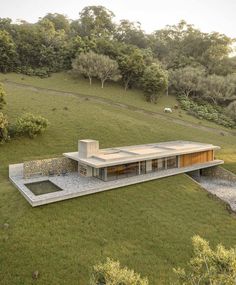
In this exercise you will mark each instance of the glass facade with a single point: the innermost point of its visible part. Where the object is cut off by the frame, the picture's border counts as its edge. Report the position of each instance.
(172, 162)
(142, 167)
(158, 164)
(132, 169)
(122, 171)
(100, 173)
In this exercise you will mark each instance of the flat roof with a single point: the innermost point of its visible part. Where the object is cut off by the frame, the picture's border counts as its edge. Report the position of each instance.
(127, 154)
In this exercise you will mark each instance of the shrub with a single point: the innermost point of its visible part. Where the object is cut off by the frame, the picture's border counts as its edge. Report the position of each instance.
(203, 110)
(2, 96)
(208, 266)
(3, 128)
(42, 72)
(31, 125)
(12, 131)
(110, 273)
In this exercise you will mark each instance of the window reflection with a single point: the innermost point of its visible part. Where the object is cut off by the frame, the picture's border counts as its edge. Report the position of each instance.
(122, 171)
(131, 169)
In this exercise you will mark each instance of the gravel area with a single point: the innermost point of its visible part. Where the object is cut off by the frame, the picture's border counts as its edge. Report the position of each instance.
(225, 190)
(73, 185)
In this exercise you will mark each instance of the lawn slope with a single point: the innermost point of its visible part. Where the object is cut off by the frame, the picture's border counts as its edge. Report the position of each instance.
(112, 92)
(146, 226)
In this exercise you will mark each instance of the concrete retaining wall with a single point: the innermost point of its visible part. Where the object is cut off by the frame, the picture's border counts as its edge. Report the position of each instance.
(219, 172)
(45, 166)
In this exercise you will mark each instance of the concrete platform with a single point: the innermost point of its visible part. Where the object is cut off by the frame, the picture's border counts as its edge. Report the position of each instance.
(74, 185)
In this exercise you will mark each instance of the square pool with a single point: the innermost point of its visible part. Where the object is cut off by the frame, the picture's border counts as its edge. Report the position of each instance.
(42, 187)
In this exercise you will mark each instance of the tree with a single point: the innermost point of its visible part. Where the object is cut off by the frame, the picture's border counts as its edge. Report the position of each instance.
(2, 97)
(186, 81)
(232, 110)
(53, 45)
(8, 55)
(86, 64)
(180, 45)
(132, 66)
(154, 81)
(59, 21)
(111, 273)
(208, 266)
(31, 125)
(217, 88)
(95, 21)
(131, 33)
(106, 68)
(96, 65)
(217, 49)
(6, 25)
(3, 128)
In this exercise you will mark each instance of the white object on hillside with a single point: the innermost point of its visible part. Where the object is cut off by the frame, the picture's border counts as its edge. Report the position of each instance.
(167, 110)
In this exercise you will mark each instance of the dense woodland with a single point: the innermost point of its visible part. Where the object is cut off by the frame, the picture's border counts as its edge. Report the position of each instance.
(178, 59)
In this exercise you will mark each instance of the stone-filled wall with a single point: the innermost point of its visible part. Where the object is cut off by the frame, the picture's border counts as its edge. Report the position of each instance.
(219, 172)
(45, 167)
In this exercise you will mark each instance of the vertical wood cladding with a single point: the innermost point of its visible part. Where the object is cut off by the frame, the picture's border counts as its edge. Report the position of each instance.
(195, 158)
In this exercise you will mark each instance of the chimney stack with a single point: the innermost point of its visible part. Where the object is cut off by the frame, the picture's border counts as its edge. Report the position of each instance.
(88, 148)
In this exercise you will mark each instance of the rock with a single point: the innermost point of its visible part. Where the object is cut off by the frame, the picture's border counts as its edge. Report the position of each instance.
(35, 274)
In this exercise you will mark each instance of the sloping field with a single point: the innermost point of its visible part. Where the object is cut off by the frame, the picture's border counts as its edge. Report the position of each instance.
(147, 226)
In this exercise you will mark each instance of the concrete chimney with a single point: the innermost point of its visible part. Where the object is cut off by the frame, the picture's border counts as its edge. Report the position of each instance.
(88, 148)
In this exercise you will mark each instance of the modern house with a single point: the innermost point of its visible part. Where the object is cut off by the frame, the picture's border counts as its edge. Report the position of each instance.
(91, 169)
(122, 162)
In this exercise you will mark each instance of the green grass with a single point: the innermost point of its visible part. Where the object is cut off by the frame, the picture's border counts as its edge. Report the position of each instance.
(147, 227)
(113, 91)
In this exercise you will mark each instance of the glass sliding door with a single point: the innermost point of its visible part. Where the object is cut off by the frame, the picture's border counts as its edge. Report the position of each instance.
(158, 164)
(142, 167)
(100, 173)
(172, 162)
(122, 171)
(154, 165)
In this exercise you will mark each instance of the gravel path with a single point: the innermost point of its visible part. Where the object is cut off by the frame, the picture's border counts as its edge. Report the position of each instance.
(225, 190)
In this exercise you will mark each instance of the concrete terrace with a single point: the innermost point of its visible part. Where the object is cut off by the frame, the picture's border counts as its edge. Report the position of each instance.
(74, 185)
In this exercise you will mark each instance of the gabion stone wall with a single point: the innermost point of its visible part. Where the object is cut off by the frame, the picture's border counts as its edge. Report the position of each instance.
(50, 166)
(219, 172)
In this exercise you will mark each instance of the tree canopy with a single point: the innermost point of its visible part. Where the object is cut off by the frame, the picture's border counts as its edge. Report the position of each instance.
(209, 266)
(154, 81)
(96, 65)
(54, 41)
(193, 63)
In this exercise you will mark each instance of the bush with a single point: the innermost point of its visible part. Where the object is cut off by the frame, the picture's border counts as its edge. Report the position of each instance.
(232, 110)
(206, 111)
(12, 131)
(208, 266)
(42, 72)
(3, 128)
(2, 96)
(110, 273)
(30, 125)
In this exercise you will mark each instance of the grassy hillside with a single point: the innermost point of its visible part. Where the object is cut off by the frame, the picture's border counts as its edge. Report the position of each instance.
(112, 91)
(147, 226)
